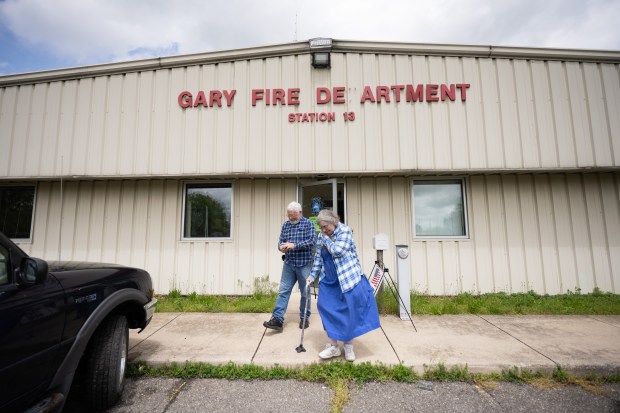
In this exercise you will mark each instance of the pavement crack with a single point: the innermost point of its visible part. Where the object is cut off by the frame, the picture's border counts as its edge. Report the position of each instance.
(173, 395)
(521, 341)
(604, 322)
(485, 394)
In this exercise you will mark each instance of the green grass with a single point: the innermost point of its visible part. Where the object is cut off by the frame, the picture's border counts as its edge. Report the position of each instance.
(337, 371)
(339, 376)
(324, 372)
(262, 301)
(256, 303)
(595, 303)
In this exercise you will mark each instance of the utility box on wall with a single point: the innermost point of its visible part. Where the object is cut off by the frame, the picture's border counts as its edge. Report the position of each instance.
(380, 242)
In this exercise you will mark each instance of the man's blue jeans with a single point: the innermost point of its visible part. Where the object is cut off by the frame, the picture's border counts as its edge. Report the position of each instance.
(290, 276)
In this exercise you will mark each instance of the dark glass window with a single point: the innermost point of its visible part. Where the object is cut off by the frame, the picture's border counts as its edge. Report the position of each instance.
(16, 211)
(207, 211)
(4, 265)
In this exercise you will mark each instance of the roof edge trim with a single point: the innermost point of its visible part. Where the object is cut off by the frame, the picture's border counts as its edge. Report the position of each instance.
(302, 47)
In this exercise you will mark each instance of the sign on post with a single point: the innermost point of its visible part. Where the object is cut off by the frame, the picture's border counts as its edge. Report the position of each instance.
(376, 278)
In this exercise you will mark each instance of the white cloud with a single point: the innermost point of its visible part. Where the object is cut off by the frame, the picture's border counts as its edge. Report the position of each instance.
(95, 31)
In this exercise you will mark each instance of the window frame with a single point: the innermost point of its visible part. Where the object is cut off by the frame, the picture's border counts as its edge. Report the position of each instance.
(463, 183)
(183, 210)
(34, 206)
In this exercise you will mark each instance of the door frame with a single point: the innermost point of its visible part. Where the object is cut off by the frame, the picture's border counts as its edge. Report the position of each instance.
(334, 182)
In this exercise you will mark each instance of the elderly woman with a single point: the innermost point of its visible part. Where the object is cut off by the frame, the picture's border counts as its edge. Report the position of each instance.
(346, 303)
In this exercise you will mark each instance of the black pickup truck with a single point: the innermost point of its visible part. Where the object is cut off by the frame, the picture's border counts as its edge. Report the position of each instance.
(64, 324)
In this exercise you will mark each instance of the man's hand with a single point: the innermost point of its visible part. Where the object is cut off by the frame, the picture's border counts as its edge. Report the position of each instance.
(287, 246)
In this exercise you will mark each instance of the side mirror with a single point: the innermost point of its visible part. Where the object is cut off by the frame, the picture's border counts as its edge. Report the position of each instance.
(32, 271)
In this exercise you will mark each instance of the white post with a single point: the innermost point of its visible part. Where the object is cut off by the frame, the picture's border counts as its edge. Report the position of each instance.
(402, 269)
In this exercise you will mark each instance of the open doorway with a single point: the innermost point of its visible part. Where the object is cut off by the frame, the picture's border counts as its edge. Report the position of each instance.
(323, 194)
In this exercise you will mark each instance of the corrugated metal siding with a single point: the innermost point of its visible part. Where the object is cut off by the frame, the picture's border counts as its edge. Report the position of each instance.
(550, 233)
(519, 114)
(137, 223)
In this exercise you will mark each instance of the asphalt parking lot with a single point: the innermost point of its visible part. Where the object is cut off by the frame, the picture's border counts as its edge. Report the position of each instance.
(172, 395)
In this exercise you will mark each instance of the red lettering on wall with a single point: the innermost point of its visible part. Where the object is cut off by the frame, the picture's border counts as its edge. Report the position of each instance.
(396, 89)
(415, 95)
(448, 91)
(375, 94)
(367, 95)
(339, 95)
(323, 95)
(276, 96)
(312, 117)
(463, 87)
(431, 92)
(257, 94)
(383, 92)
(229, 96)
(215, 98)
(201, 99)
(185, 99)
(293, 96)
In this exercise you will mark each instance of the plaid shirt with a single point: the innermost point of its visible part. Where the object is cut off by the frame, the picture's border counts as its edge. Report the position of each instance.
(303, 235)
(340, 245)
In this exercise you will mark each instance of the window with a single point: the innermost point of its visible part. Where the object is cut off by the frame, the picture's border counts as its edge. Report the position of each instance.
(439, 208)
(16, 211)
(207, 211)
(4, 265)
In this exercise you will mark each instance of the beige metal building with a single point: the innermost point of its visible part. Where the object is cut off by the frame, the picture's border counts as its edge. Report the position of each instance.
(499, 167)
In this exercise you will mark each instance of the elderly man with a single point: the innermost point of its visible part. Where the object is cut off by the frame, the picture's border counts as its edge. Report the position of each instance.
(297, 239)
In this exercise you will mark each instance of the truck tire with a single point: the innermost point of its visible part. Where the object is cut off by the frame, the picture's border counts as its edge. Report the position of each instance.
(104, 364)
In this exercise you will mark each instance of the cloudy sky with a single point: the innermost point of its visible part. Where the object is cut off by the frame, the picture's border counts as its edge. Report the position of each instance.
(49, 34)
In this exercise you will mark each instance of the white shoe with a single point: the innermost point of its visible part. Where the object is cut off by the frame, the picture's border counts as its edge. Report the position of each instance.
(330, 351)
(349, 355)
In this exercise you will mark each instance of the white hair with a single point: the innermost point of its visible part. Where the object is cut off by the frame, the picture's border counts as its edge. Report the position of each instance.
(328, 216)
(294, 206)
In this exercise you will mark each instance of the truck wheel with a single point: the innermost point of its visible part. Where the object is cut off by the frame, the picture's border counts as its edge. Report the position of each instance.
(104, 363)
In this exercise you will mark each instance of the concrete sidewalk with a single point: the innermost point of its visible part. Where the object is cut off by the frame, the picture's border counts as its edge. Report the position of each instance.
(579, 344)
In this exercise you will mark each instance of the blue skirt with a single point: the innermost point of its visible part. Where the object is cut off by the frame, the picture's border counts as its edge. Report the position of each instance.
(345, 315)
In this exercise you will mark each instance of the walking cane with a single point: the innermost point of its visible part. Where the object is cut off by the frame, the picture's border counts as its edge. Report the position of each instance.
(301, 348)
